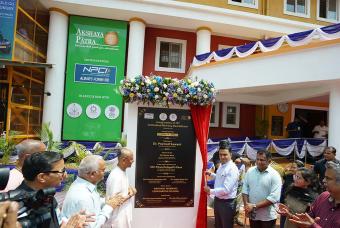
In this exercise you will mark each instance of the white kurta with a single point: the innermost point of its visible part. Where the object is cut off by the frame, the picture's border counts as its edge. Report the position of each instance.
(117, 182)
(321, 132)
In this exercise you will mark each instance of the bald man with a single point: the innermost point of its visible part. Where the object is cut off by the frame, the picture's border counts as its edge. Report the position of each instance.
(118, 182)
(25, 149)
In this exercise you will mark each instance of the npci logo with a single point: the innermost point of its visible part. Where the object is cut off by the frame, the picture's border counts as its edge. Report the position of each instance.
(96, 69)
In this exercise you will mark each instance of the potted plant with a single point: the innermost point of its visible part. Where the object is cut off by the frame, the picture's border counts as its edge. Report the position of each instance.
(261, 128)
(7, 147)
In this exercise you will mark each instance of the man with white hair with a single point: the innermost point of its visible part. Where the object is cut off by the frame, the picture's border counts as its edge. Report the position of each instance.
(118, 182)
(325, 211)
(83, 194)
(24, 149)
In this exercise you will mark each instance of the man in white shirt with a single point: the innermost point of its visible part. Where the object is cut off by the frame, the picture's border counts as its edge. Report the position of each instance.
(118, 182)
(225, 189)
(321, 130)
(83, 194)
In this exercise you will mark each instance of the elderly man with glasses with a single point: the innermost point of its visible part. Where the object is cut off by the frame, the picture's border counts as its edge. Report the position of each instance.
(325, 211)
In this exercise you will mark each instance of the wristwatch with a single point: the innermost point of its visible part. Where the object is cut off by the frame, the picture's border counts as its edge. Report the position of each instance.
(254, 206)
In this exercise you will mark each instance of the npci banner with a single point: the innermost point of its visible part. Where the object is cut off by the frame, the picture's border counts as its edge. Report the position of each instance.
(95, 66)
(95, 74)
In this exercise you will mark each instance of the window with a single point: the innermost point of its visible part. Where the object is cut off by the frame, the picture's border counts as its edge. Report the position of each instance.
(245, 3)
(297, 8)
(215, 112)
(170, 55)
(31, 32)
(231, 115)
(25, 107)
(328, 10)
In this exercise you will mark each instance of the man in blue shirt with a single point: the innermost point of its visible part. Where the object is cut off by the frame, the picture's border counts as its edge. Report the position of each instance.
(261, 190)
(225, 190)
(294, 128)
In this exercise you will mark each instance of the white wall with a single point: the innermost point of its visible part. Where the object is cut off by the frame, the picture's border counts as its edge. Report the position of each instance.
(276, 78)
(184, 217)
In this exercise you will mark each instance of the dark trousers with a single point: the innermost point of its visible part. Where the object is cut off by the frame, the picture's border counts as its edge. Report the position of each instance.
(282, 221)
(224, 210)
(262, 224)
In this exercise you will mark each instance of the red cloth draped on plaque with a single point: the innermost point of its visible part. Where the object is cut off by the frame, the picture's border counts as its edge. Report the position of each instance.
(201, 119)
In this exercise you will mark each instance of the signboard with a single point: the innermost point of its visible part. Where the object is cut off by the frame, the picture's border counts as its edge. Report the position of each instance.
(95, 66)
(165, 158)
(95, 74)
(8, 10)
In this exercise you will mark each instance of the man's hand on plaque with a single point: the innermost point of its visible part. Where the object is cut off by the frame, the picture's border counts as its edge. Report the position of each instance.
(115, 200)
(132, 192)
(207, 189)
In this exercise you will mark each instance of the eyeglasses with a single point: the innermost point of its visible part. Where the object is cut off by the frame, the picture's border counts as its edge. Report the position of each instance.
(63, 171)
(296, 177)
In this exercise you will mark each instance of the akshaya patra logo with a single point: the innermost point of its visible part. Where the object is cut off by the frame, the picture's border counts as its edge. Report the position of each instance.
(88, 37)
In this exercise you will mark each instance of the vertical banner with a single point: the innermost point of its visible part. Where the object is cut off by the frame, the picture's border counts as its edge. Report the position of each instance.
(95, 66)
(8, 9)
(165, 161)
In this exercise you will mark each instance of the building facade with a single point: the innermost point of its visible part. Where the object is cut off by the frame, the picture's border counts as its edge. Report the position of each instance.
(67, 58)
(163, 38)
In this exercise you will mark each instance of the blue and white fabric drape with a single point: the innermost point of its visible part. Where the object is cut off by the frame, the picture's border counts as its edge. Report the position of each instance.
(293, 40)
(284, 147)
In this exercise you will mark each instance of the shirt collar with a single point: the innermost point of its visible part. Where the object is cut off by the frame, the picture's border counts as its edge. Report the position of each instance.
(266, 170)
(226, 163)
(91, 187)
(332, 201)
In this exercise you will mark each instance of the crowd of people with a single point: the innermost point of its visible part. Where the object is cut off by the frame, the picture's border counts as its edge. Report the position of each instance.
(300, 128)
(37, 169)
(302, 196)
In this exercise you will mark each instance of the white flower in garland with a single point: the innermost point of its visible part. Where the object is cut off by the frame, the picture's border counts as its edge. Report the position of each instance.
(166, 91)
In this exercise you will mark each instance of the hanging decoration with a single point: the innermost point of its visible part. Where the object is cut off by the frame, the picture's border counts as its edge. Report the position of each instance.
(296, 39)
(283, 147)
(167, 91)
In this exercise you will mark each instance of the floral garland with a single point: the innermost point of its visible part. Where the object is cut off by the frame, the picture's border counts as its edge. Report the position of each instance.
(166, 91)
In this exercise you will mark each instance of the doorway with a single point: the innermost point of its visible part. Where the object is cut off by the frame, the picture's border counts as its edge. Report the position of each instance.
(310, 117)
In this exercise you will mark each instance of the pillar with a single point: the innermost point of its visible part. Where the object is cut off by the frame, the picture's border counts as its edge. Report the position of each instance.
(203, 35)
(136, 48)
(133, 69)
(334, 120)
(55, 77)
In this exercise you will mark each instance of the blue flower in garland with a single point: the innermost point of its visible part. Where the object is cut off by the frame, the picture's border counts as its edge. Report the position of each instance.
(166, 91)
